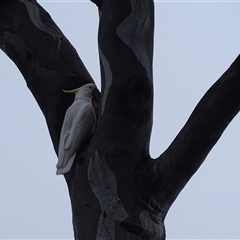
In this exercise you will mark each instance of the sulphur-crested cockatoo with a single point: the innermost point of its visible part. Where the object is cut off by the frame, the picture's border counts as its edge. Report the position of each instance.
(78, 123)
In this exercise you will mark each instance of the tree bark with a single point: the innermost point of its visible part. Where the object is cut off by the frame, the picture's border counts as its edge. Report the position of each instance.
(44, 56)
(173, 169)
(117, 191)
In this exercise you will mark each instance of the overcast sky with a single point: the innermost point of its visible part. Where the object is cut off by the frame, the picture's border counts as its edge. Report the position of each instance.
(195, 42)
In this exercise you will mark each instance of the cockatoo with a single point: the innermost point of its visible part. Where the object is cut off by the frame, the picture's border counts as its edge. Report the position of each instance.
(78, 123)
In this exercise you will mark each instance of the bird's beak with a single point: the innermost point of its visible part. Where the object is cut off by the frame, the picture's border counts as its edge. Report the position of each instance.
(96, 92)
(70, 91)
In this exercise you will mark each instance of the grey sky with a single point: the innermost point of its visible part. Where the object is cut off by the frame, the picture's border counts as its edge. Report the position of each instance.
(194, 44)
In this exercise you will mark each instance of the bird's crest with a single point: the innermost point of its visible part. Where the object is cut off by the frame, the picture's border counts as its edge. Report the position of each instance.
(70, 91)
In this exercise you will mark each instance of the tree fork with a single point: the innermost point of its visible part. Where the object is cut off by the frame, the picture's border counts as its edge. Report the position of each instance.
(117, 191)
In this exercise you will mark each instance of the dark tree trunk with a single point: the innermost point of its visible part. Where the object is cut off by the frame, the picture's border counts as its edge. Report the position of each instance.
(117, 191)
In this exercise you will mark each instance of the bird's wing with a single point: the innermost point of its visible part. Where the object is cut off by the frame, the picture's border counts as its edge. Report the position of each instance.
(82, 125)
(78, 123)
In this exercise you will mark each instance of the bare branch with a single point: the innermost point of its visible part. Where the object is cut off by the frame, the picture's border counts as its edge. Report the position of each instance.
(180, 161)
(44, 56)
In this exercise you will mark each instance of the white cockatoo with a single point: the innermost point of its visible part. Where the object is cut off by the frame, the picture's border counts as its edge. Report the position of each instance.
(78, 123)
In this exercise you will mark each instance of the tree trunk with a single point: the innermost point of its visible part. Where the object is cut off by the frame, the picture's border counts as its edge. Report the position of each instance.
(104, 182)
(117, 191)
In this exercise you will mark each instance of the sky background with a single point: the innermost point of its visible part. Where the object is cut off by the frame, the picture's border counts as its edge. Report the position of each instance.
(195, 43)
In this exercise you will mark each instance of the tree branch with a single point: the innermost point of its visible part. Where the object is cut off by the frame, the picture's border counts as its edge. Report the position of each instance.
(44, 56)
(126, 51)
(173, 169)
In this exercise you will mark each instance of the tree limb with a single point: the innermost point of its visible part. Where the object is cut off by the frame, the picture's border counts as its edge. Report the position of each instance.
(44, 56)
(173, 169)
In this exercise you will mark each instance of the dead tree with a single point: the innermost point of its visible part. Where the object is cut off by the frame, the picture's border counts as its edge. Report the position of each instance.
(117, 190)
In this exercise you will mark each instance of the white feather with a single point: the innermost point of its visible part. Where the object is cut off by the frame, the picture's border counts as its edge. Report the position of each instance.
(78, 123)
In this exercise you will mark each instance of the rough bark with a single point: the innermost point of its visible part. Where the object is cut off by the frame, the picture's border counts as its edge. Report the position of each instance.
(117, 191)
